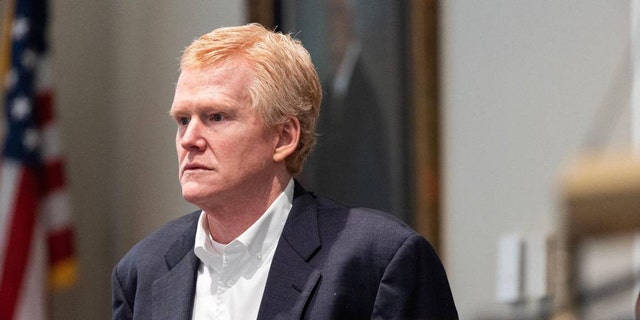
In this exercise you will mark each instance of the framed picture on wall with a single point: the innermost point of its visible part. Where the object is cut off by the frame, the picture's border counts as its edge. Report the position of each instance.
(378, 142)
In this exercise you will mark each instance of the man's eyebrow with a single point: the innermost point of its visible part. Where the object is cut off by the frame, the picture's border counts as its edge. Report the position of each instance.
(176, 113)
(206, 108)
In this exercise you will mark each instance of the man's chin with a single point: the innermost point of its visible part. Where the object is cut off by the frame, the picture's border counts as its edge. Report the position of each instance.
(193, 196)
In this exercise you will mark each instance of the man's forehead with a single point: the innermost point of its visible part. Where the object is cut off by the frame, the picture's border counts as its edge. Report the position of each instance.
(230, 62)
(222, 84)
(214, 75)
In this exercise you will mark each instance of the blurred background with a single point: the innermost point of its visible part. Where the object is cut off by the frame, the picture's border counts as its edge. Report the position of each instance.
(463, 118)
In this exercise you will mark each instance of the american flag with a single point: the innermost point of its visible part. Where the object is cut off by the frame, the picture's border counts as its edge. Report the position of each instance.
(36, 238)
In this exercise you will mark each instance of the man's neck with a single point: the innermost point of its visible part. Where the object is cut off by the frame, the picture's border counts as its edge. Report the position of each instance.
(228, 222)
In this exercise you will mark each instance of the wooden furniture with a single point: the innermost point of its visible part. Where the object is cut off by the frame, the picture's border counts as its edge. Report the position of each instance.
(601, 194)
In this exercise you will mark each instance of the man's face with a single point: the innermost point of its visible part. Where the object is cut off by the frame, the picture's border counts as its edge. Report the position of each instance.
(224, 150)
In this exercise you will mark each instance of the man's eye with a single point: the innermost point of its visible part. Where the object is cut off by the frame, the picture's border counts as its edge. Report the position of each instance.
(217, 117)
(183, 121)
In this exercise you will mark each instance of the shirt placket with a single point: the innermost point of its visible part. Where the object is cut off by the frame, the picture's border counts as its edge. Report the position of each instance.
(224, 283)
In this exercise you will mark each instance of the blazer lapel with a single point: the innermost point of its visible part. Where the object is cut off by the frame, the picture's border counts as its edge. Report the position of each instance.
(291, 278)
(173, 293)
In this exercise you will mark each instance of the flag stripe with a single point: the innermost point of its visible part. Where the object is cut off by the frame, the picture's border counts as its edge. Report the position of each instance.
(32, 300)
(51, 148)
(9, 171)
(19, 245)
(60, 245)
(54, 176)
(44, 101)
(55, 208)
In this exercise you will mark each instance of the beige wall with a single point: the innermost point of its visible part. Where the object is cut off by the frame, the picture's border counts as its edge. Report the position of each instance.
(115, 64)
(521, 85)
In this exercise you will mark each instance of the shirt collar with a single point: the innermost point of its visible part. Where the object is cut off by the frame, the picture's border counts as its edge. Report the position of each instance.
(255, 243)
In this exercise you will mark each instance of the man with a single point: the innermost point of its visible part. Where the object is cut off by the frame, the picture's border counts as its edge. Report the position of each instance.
(246, 105)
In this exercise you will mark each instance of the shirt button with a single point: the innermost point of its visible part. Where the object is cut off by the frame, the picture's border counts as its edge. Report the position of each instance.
(229, 283)
(259, 256)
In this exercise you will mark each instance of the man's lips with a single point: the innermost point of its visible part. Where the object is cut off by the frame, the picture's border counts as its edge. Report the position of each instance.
(194, 167)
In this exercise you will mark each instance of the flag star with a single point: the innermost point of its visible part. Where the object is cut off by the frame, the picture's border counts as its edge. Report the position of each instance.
(21, 108)
(20, 28)
(11, 79)
(31, 140)
(29, 59)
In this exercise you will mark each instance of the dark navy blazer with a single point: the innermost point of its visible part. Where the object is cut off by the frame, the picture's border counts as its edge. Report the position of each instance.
(332, 262)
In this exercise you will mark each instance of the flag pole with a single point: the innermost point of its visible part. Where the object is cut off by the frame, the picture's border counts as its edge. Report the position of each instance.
(7, 20)
(5, 53)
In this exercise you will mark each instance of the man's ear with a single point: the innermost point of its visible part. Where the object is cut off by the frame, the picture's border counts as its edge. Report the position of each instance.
(288, 138)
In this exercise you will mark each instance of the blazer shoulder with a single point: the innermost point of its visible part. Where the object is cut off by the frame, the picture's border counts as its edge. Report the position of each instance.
(361, 229)
(149, 260)
(155, 245)
(368, 220)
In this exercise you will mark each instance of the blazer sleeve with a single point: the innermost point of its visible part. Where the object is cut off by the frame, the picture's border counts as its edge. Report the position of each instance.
(121, 308)
(414, 285)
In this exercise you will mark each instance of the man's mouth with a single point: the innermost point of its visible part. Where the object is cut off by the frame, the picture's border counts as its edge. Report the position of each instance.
(195, 167)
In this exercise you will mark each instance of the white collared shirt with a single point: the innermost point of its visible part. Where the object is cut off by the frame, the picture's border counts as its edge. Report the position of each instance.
(231, 278)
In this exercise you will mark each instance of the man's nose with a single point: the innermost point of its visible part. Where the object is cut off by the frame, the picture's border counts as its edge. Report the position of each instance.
(192, 137)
